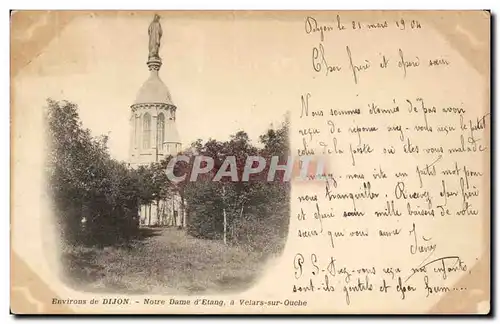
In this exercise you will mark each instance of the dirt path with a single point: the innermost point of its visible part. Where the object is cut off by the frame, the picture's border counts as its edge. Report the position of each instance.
(167, 260)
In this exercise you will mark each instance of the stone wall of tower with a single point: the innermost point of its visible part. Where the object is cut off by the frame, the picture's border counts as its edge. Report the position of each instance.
(170, 211)
(167, 212)
(149, 140)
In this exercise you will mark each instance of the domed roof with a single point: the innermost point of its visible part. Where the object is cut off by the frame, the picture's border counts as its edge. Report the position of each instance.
(154, 91)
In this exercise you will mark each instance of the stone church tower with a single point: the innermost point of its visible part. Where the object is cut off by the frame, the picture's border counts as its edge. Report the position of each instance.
(153, 132)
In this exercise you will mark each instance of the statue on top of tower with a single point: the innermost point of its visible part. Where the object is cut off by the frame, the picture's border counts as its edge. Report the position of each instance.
(155, 32)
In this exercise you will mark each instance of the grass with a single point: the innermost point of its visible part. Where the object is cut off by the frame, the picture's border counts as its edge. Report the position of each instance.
(163, 261)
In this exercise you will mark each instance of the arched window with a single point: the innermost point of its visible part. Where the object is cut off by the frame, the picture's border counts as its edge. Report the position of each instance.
(161, 130)
(137, 129)
(146, 131)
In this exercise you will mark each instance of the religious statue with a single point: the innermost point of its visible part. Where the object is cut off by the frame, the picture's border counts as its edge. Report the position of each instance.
(155, 33)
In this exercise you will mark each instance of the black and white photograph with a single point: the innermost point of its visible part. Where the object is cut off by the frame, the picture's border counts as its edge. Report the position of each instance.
(126, 227)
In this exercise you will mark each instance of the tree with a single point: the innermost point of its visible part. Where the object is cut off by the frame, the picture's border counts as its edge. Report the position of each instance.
(95, 197)
(257, 211)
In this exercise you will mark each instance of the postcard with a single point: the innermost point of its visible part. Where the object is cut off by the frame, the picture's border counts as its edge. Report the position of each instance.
(250, 162)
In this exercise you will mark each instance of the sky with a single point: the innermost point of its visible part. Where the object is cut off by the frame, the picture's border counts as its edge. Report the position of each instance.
(217, 85)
